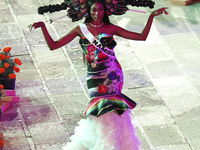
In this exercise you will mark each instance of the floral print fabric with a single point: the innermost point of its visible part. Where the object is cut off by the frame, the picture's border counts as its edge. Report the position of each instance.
(104, 78)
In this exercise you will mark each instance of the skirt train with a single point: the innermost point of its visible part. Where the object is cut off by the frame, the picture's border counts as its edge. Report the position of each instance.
(109, 131)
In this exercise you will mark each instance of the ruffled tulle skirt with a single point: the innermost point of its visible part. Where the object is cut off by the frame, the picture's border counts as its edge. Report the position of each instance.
(109, 131)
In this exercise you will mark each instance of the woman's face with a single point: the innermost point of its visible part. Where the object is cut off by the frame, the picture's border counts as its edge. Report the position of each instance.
(97, 12)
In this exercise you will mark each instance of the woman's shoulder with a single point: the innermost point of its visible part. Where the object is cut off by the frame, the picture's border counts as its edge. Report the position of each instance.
(111, 28)
(77, 29)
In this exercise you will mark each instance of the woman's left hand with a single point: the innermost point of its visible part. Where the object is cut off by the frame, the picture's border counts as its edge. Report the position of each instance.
(160, 11)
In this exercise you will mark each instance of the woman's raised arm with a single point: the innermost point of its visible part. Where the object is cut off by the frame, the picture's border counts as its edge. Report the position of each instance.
(140, 36)
(50, 42)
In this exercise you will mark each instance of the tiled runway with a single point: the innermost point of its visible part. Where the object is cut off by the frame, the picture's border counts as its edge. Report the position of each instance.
(161, 74)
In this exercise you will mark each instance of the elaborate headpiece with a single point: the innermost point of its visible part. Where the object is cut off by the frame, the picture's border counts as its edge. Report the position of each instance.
(77, 9)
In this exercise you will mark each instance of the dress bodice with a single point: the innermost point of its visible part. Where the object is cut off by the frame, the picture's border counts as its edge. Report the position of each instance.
(92, 54)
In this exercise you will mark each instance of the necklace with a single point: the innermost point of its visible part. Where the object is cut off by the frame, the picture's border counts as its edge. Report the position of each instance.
(96, 26)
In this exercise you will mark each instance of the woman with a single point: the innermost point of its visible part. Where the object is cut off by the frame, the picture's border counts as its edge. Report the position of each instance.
(108, 124)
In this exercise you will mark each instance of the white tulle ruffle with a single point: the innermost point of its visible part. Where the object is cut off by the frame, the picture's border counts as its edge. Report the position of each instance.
(107, 132)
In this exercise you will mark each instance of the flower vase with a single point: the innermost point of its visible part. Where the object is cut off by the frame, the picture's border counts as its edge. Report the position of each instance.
(8, 84)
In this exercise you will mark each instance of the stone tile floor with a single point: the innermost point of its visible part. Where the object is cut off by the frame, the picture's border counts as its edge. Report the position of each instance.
(161, 74)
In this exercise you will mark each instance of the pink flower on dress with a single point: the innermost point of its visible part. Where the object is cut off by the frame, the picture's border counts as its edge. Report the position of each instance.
(102, 89)
(91, 48)
(91, 51)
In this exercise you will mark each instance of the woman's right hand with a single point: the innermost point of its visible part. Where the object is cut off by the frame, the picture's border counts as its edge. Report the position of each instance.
(35, 25)
(160, 11)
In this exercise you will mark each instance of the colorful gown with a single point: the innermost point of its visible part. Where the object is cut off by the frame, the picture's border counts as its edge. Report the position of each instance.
(108, 123)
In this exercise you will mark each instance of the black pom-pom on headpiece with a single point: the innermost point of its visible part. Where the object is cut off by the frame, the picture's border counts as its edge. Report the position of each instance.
(52, 8)
(77, 9)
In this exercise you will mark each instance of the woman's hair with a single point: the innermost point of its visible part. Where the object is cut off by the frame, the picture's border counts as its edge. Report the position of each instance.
(89, 5)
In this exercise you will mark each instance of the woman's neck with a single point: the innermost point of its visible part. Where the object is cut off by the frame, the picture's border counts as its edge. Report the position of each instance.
(96, 24)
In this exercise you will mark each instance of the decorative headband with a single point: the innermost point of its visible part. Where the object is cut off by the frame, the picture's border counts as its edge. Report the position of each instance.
(77, 9)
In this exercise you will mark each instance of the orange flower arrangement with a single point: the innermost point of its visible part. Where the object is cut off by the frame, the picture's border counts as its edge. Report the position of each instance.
(1, 87)
(2, 57)
(8, 65)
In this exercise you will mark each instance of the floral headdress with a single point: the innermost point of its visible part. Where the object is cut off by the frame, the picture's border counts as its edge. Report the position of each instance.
(77, 9)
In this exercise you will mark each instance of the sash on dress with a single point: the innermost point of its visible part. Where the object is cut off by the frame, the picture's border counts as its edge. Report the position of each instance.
(95, 42)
